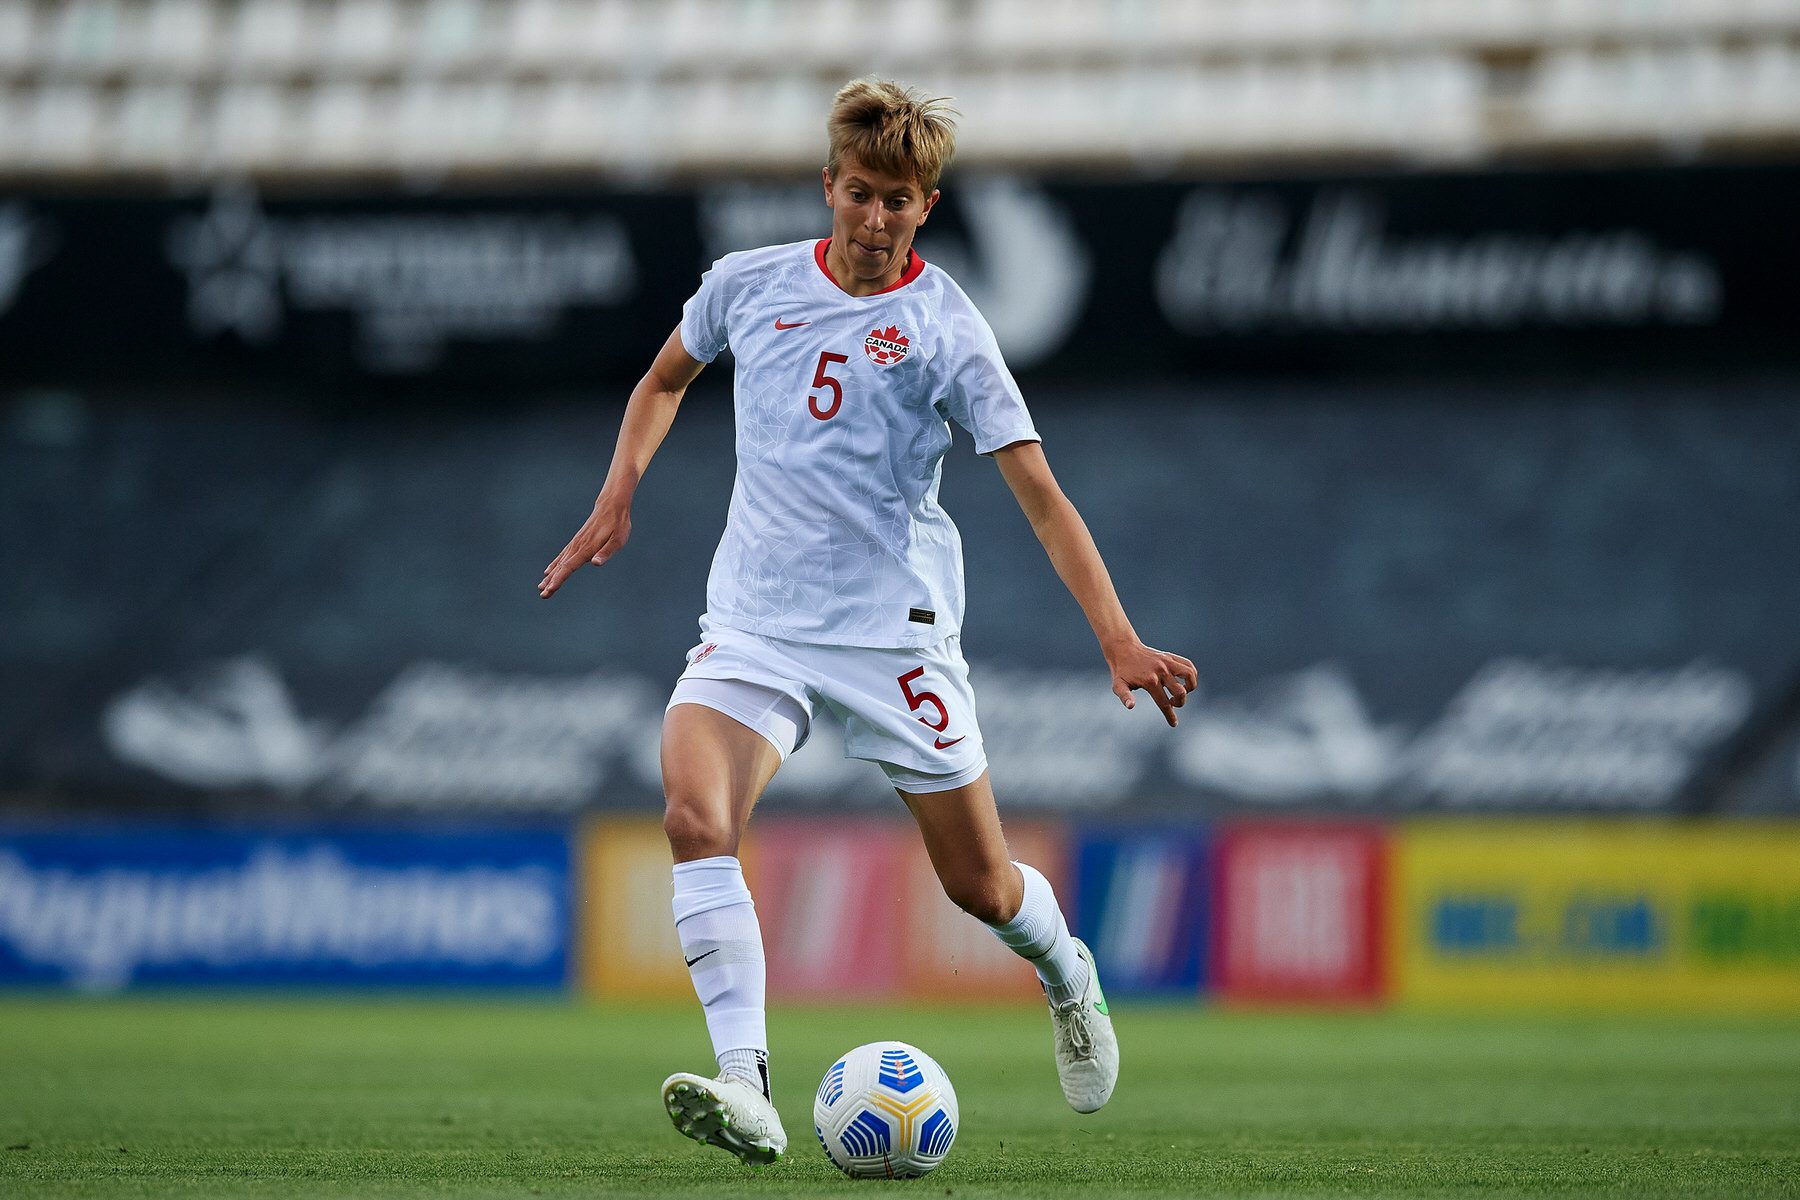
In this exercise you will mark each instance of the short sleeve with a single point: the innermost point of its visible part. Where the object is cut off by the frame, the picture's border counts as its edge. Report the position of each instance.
(980, 392)
(704, 331)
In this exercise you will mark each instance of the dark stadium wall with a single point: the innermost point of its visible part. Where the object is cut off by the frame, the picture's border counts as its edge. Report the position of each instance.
(1401, 599)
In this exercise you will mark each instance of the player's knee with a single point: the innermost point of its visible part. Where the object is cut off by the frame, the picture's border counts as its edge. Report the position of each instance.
(986, 897)
(696, 829)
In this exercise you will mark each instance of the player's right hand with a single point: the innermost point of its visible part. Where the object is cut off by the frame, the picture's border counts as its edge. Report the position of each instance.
(600, 537)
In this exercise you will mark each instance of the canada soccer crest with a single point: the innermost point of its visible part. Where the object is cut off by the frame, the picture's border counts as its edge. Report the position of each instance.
(885, 347)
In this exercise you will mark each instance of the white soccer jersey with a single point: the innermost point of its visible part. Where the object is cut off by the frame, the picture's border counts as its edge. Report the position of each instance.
(835, 534)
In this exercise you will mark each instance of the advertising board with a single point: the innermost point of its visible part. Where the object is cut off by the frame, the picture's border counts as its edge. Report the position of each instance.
(832, 898)
(853, 908)
(1589, 914)
(191, 906)
(626, 927)
(1141, 902)
(1299, 912)
(567, 286)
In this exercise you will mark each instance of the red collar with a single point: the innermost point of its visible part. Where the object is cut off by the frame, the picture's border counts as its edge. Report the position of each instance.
(914, 265)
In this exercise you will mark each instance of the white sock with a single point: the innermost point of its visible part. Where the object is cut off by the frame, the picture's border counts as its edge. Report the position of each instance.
(1039, 934)
(722, 943)
(752, 1066)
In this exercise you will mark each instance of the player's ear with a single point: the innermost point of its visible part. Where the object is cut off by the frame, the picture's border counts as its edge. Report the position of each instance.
(825, 174)
(929, 202)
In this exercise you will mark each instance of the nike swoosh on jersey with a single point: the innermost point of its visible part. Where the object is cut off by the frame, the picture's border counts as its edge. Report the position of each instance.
(941, 744)
(793, 325)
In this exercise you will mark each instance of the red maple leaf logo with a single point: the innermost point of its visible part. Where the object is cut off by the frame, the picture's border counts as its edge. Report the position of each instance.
(885, 347)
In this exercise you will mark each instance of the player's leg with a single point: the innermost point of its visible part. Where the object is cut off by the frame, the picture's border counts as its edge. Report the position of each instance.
(715, 767)
(912, 711)
(961, 828)
(714, 770)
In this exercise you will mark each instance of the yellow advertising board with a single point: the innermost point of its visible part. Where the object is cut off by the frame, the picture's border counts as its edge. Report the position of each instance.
(622, 911)
(1597, 914)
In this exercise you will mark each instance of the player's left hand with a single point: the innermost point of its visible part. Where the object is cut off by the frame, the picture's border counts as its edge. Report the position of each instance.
(1166, 678)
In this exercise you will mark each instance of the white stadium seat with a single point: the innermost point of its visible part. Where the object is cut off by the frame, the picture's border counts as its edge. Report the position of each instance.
(19, 31)
(537, 34)
(574, 124)
(61, 127)
(345, 126)
(1770, 80)
(618, 35)
(13, 105)
(177, 38)
(489, 116)
(87, 38)
(455, 35)
(364, 37)
(270, 37)
(155, 126)
(251, 128)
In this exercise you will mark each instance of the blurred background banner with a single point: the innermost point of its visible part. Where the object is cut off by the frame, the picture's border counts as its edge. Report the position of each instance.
(1519, 914)
(1301, 915)
(164, 905)
(1140, 898)
(626, 929)
(515, 291)
(1596, 916)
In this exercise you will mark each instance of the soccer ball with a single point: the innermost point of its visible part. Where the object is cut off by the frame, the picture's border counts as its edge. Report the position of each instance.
(885, 1111)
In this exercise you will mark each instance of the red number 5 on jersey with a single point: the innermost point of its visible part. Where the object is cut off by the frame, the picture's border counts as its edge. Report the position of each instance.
(822, 380)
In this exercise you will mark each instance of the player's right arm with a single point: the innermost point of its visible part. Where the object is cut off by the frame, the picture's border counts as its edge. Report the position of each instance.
(648, 416)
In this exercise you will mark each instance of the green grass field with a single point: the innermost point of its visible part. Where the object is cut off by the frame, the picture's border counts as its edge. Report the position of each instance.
(173, 1096)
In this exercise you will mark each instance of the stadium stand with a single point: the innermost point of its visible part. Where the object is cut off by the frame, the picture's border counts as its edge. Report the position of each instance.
(303, 87)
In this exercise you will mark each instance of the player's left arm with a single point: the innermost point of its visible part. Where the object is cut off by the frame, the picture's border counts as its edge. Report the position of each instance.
(1166, 678)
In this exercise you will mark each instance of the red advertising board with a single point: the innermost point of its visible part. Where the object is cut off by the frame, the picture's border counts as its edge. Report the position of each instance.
(833, 901)
(1299, 913)
(854, 909)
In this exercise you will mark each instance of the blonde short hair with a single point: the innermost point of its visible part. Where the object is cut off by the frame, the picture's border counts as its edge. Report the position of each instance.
(892, 129)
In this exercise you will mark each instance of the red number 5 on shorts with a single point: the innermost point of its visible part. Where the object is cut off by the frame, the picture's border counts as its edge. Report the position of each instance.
(917, 700)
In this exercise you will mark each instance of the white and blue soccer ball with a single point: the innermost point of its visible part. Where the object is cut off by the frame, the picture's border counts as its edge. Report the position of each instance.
(885, 1111)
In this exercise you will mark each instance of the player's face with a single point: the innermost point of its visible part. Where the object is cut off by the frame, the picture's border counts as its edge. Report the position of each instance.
(873, 219)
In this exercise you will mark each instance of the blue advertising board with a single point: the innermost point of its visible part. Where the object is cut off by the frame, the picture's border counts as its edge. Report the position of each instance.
(112, 909)
(1141, 902)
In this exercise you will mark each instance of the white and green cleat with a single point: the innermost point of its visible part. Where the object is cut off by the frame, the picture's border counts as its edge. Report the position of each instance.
(1087, 1050)
(728, 1113)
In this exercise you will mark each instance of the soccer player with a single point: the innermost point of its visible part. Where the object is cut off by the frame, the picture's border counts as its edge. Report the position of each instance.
(838, 586)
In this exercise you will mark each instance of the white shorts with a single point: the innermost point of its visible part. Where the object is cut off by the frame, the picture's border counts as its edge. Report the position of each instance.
(911, 711)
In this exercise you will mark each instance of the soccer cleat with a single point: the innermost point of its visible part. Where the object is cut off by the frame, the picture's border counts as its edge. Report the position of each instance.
(728, 1113)
(1087, 1050)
